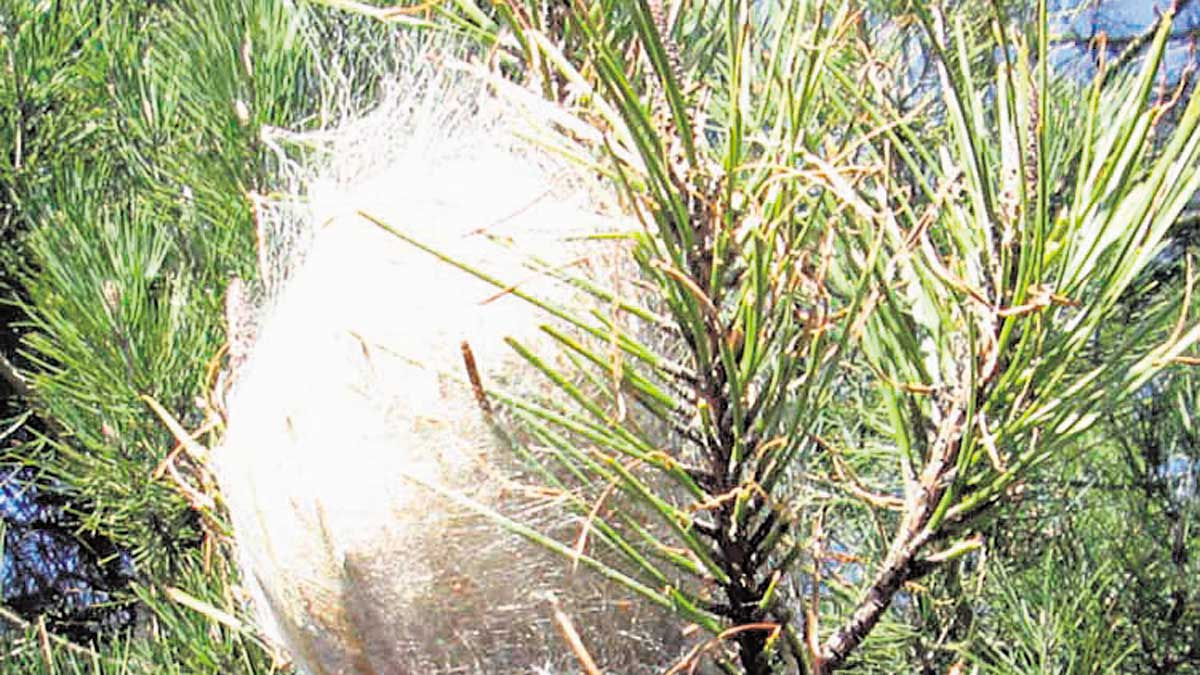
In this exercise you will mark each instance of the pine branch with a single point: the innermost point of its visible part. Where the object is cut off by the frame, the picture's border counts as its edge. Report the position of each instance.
(917, 528)
(898, 569)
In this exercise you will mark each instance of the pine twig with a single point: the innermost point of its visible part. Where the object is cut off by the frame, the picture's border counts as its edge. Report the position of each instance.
(14, 378)
(1142, 40)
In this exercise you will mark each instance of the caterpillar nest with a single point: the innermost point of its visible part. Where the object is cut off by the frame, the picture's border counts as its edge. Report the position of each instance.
(352, 412)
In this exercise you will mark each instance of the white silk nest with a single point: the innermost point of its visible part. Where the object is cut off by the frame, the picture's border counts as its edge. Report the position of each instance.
(352, 393)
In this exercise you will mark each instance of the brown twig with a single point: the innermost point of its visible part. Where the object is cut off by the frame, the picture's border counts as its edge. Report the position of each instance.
(812, 623)
(476, 382)
(1139, 42)
(16, 381)
(690, 662)
(567, 629)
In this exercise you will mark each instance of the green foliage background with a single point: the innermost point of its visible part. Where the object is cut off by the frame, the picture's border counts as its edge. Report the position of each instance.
(124, 204)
